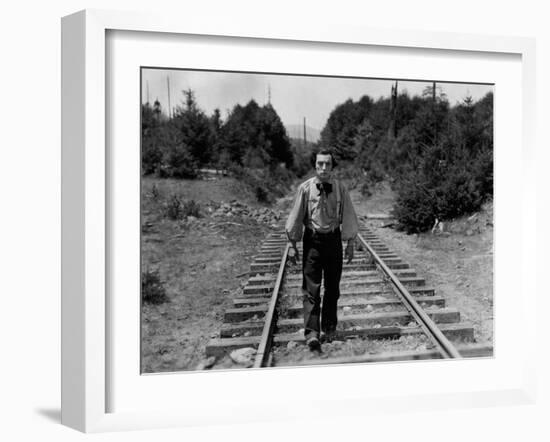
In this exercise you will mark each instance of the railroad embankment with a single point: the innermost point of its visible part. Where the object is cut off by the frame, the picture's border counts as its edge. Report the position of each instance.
(198, 238)
(456, 258)
(202, 252)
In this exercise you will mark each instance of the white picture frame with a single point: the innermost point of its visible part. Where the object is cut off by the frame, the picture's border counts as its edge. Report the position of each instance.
(86, 205)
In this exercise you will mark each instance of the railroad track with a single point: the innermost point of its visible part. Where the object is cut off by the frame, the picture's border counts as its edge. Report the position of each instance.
(386, 312)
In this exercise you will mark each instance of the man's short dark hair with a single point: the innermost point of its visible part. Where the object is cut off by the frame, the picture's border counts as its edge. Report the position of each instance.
(323, 151)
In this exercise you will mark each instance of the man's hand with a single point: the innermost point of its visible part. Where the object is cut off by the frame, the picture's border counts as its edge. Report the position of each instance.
(349, 252)
(293, 254)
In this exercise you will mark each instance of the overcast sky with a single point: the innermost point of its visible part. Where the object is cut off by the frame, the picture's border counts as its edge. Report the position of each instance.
(293, 97)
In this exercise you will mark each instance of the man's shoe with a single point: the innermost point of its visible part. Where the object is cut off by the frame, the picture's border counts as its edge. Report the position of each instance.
(314, 344)
(329, 336)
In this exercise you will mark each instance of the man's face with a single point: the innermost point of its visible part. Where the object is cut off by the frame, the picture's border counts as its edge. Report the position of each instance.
(323, 167)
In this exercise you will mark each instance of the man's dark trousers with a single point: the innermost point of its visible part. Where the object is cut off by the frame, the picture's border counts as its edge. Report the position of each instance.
(322, 256)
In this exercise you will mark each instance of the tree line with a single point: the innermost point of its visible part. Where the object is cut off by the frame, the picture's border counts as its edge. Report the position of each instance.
(437, 157)
(179, 145)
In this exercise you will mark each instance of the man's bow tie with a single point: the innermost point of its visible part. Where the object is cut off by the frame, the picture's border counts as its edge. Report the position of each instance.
(324, 187)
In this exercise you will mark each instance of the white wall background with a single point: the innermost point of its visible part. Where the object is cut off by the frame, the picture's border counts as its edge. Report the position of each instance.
(30, 217)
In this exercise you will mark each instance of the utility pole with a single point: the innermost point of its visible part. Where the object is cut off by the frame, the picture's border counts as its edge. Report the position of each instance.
(169, 106)
(147, 91)
(268, 93)
(305, 139)
(395, 110)
(434, 114)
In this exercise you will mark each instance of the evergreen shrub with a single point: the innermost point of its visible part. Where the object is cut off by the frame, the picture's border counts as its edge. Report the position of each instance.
(152, 288)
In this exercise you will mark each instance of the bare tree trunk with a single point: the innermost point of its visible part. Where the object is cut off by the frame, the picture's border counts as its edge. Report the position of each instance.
(169, 106)
(434, 120)
(392, 130)
(305, 140)
(395, 110)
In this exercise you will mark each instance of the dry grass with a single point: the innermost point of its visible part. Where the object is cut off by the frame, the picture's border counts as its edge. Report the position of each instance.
(198, 262)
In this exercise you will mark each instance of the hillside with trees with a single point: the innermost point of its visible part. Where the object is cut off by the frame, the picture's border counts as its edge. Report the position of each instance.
(251, 144)
(437, 157)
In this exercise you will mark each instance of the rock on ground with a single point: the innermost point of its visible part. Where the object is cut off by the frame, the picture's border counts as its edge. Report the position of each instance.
(243, 356)
(291, 345)
(207, 363)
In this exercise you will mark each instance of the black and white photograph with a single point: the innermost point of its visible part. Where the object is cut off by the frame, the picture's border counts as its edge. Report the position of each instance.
(233, 221)
(296, 220)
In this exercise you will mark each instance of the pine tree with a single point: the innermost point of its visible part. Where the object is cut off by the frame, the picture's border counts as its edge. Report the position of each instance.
(194, 128)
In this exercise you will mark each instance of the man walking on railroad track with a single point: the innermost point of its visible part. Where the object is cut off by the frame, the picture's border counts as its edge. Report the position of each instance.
(322, 217)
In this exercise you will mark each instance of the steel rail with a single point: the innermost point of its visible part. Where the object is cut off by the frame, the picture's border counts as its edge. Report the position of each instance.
(264, 349)
(444, 346)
